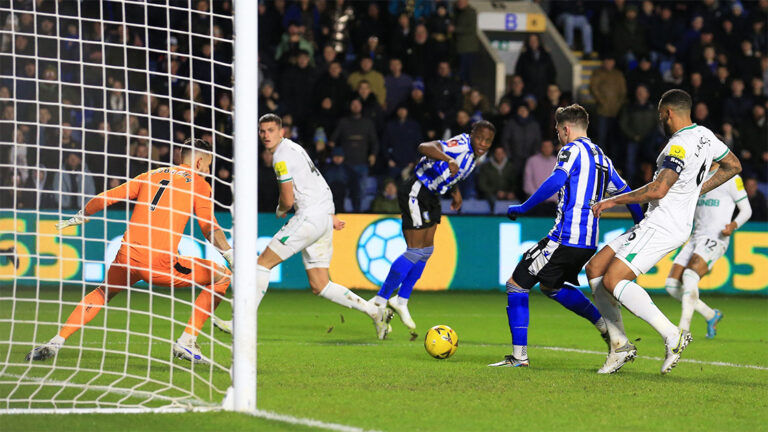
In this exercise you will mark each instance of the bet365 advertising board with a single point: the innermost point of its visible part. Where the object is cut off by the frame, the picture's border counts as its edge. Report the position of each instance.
(471, 252)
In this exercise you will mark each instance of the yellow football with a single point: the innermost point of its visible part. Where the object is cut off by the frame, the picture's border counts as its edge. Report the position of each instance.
(441, 342)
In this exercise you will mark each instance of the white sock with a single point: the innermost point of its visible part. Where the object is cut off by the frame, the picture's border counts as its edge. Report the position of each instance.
(186, 339)
(262, 283)
(520, 352)
(601, 326)
(402, 301)
(609, 309)
(379, 300)
(690, 297)
(704, 310)
(343, 296)
(634, 298)
(673, 288)
(58, 340)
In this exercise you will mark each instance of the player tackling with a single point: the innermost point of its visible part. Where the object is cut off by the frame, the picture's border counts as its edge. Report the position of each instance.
(712, 229)
(309, 231)
(672, 196)
(164, 198)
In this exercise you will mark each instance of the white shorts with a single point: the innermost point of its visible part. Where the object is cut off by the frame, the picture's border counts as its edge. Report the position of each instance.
(312, 234)
(642, 247)
(707, 247)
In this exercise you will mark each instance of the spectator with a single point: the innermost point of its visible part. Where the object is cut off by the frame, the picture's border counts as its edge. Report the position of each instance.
(74, 185)
(754, 143)
(675, 76)
(746, 63)
(342, 180)
(698, 90)
(416, 9)
(501, 115)
(357, 136)
(328, 56)
(647, 75)
(459, 126)
(545, 112)
(374, 78)
(370, 25)
(268, 187)
(638, 123)
(516, 95)
(139, 162)
(291, 43)
(476, 105)
(758, 37)
(400, 36)
(573, 17)
(537, 169)
(738, 105)
(521, 137)
(269, 99)
(420, 56)
(375, 51)
(701, 116)
(756, 200)
(386, 201)
(757, 91)
(222, 190)
(445, 93)
(729, 37)
(666, 33)
(535, 66)
(398, 85)
(297, 84)
(609, 88)
(332, 85)
(731, 137)
(423, 112)
(465, 34)
(496, 179)
(304, 14)
(629, 38)
(439, 26)
(371, 107)
(402, 137)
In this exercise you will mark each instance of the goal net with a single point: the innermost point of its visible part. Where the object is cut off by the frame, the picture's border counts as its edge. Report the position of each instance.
(92, 94)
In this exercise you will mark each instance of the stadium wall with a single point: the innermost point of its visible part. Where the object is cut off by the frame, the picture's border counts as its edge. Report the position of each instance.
(471, 253)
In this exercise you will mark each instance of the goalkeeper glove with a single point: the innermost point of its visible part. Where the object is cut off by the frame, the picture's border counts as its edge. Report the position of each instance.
(227, 254)
(77, 219)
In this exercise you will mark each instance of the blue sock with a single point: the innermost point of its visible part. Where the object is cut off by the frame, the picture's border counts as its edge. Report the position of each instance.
(413, 276)
(575, 301)
(518, 316)
(399, 270)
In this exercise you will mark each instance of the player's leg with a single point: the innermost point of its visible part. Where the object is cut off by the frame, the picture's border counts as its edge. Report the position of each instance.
(605, 302)
(118, 277)
(706, 252)
(674, 282)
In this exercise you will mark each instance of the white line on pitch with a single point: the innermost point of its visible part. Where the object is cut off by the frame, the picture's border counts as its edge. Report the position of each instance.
(306, 421)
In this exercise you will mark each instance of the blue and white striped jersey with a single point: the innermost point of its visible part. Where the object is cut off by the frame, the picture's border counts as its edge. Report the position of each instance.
(435, 175)
(591, 176)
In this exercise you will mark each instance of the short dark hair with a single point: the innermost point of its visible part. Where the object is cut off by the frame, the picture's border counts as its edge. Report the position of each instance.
(271, 118)
(677, 100)
(484, 124)
(574, 113)
(195, 144)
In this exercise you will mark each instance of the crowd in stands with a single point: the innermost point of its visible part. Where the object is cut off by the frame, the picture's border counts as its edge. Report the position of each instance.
(361, 83)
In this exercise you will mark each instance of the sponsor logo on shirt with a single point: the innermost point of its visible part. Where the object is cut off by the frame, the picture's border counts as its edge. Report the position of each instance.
(281, 168)
(677, 152)
(739, 183)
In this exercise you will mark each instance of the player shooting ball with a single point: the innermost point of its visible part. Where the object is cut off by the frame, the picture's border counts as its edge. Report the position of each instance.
(164, 199)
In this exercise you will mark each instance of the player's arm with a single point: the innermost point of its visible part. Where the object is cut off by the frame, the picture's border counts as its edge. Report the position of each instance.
(742, 203)
(203, 208)
(126, 191)
(286, 201)
(551, 185)
(654, 190)
(434, 150)
(619, 186)
(727, 167)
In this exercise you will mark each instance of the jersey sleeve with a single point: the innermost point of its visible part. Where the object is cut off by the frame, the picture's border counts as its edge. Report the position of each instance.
(736, 189)
(674, 156)
(616, 184)
(719, 150)
(566, 158)
(203, 206)
(126, 191)
(284, 169)
(457, 145)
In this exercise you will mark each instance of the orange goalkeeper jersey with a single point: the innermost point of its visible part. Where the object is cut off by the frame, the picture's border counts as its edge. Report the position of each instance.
(165, 199)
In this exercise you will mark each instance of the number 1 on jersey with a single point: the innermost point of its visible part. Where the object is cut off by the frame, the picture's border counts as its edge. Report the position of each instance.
(159, 194)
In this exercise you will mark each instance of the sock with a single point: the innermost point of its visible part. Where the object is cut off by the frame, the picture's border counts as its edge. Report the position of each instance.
(57, 340)
(690, 297)
(343, 296)
(575, 301)
(402, 301)
(415, 273)
(186, 338)
(704, 310)
(673, 288)
(518, 316)
(379, 300)
(262, 283)
(84, 312)
(399, 270)
(609, 309)
(205, 303)
(634, 298)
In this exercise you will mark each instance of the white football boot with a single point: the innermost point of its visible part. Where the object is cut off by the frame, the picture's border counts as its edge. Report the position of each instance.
(405, 316)
(673, 351)
(223, 325)
(190, 352)
(43, 352)
(511, 361)
(618, 358)
(381, 319)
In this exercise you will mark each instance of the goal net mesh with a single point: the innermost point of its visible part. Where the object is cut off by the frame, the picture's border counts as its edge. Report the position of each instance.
(92, 94)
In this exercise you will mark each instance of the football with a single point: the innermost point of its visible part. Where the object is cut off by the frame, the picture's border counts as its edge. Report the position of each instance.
(441, 342)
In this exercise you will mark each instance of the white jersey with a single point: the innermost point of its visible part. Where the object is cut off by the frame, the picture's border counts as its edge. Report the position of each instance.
(689, 152)
(715, 208)
(310, 191)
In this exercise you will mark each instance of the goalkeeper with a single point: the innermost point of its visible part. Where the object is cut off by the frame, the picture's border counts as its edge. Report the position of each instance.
(164, 201)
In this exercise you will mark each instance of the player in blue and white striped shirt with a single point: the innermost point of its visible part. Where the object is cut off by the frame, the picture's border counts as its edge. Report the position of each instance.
(582, 177)
(443, 165)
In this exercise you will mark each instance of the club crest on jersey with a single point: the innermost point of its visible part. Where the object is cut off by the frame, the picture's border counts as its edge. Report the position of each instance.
(425, 216)
(451, 143)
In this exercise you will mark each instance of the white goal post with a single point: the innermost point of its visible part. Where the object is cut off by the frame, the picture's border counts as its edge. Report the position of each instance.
(92, 94)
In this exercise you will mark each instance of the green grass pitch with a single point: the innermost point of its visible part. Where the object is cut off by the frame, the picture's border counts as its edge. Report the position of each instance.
(322, 362)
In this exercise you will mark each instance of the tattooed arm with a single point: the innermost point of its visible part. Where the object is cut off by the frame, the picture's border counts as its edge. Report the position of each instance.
(657, 189)
(729, 166)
